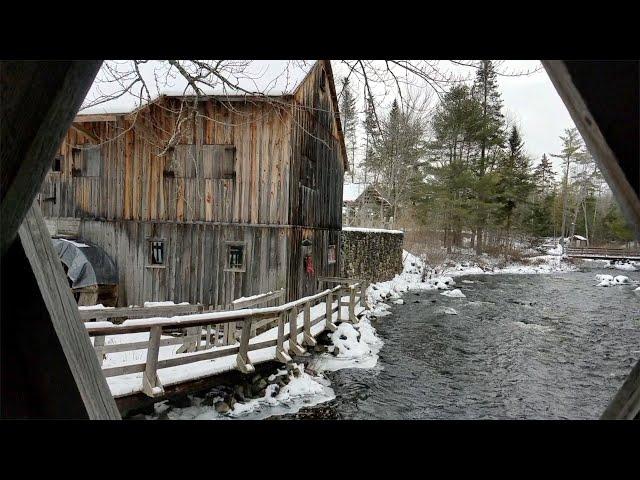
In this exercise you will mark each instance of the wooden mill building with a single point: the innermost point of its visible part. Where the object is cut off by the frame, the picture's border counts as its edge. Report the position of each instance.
(208, 198)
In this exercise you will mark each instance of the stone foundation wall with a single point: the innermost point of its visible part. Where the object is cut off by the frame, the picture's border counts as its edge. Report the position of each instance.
(371, 254)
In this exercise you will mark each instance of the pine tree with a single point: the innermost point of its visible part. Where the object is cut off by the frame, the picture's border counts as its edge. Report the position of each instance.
(490, 135)
(544, 176)
(515, 180)
(349, 119)
(371, 134)
(571, 147)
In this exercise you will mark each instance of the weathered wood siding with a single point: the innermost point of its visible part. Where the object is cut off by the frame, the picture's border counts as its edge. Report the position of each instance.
(316, 212)
(195, 260)
(133, 185)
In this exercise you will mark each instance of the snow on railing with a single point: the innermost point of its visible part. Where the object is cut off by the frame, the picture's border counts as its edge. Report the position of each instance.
(286, 314)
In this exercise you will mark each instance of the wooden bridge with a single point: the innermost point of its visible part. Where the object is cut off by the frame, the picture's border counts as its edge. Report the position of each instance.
(601, 253)
(146, 360)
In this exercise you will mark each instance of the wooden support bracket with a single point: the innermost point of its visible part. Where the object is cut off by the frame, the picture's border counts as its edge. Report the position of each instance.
(242, 360)
(294, 347)
(151, 385)
(281, 355)
(329, 325)
(307, 337)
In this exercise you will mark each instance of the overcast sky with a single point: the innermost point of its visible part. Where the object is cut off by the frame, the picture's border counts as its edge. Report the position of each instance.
(530, 101)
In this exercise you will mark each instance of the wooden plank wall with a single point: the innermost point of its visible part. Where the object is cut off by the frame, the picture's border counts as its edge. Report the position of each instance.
(316, 212)
(133, 184)
(195, 260)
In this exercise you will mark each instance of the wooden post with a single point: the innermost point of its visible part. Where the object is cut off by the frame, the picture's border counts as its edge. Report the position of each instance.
(281, 355)
(339, 304)
(230, 333)
(328, 325)
(307, 337)
(98, 343)
(352, 304)
(151, 385)
(294, 347)
(207, 343)
(242, 360)
(363, 293)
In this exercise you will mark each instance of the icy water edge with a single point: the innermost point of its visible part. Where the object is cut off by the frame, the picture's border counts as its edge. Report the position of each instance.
(521, 347)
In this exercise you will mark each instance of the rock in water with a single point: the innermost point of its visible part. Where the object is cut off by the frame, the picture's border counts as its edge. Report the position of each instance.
(456, 293)
(222, 407)
(450, 311)
(621, 279)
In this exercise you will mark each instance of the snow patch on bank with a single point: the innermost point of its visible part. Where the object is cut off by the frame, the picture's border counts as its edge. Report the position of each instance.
(303, 391)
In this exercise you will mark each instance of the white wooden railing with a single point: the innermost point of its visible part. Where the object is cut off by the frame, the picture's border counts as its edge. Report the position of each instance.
(285, 316)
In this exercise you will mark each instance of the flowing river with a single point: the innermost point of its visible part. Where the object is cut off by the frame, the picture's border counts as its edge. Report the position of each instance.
(521, 347)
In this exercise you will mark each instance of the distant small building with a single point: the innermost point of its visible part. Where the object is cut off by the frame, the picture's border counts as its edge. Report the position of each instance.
(578, 241)
(365, 206)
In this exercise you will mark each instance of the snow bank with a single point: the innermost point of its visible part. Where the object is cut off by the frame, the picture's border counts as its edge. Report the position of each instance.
(557, 250)
(303, 391)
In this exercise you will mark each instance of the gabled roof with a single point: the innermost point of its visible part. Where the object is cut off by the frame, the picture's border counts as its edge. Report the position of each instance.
(264, 78)
(254, 79)
(352, 192)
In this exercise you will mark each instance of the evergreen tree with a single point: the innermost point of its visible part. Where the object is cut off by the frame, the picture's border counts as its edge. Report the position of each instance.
(543, 176)
(371, 135)
(490, 135)
(349, 119)
(571, 147)
(515, 182)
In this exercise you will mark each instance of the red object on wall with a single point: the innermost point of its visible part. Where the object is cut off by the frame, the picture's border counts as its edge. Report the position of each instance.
(308, 265)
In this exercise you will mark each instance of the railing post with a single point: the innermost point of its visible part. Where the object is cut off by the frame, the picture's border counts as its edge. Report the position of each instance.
(242, 360)
(151, 384)
(363, 293)
(281, 355)
(294, 347)
(207, 342)
(352, 304)
(328, 325)
(340, 304)
(98, 343)
(307, 337)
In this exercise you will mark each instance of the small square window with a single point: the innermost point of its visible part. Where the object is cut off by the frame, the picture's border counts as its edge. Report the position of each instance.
(331, 254)
(56, 166)
(236, 257)
(156, 252)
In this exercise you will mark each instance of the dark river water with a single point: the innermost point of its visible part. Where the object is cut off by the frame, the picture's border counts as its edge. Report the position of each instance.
(521, 347)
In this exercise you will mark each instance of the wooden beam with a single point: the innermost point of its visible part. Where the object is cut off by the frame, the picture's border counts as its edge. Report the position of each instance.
(626, 404)
(49, 367)
(39, 101)
(95, 118)
(598, 145)
(86, 132)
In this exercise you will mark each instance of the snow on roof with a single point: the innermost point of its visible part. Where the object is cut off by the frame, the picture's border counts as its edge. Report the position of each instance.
(245, 77)
(579, 237)
(351, 191)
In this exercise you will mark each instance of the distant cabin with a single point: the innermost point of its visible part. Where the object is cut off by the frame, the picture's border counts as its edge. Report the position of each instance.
(578, 241)
(365, 206)
(208, 199)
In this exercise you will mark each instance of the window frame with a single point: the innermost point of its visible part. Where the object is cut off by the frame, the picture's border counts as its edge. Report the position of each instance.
(235, 243)
(335, 255)
(149, 256)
